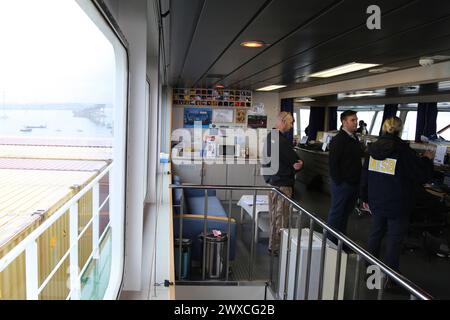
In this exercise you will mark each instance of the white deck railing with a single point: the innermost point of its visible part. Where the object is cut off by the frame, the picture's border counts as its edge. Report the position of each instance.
(30, 246)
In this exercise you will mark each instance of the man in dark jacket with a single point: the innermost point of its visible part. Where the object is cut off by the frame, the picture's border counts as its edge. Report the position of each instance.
(280, 172)
(391, 173)
(345, 161)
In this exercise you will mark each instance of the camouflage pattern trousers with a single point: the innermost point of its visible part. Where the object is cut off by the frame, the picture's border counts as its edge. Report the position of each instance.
(279, 215)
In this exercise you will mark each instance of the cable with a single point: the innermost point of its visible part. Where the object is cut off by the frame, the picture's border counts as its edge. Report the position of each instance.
(153, 283)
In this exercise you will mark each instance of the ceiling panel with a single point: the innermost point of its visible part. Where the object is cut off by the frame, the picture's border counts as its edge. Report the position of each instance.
(362, 44)
(393, 51)
(277, 21)
(219, 23)
(303, 37)
(326, 29)
(183, 20)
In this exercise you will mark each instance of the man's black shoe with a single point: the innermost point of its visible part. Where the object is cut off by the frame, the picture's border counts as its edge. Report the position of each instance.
(435, 246)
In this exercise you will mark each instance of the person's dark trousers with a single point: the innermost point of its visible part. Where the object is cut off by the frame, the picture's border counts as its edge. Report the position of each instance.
(395, 230)
(343, 202)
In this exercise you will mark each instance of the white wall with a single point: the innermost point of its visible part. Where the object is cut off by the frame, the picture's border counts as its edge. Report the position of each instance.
(138, 22)
(177, 117)
(131, 16)
(272, 103)
(152, 76)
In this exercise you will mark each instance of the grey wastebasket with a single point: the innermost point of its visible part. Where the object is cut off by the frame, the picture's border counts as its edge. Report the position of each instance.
(216, 256)
(185, 258)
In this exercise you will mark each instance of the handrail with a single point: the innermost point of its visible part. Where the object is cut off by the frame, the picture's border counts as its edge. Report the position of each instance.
(412, 288)
(29, 244)
(17, 250)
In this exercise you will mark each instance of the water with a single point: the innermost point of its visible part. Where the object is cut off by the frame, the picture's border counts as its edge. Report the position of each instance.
(96, 278)
(59, 123)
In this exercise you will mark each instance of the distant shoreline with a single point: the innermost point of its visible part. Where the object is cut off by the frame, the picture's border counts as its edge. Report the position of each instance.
(55, 106)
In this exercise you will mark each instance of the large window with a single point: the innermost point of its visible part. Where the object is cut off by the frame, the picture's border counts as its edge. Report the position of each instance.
(443, 119)
(372, 115)
(378, 122)
(57, 72)
(365, 115)
(304, 121)
(409, 125)
(63, 84)
(295, 124)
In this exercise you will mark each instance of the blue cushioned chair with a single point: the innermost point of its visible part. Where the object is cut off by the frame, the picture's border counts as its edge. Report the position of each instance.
(193, 201)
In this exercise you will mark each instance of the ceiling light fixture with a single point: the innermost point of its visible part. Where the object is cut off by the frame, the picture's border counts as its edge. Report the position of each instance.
(220, 86)
(270, 88)
(346, 68)
(253, 44)
(362, 94)
(305, 99)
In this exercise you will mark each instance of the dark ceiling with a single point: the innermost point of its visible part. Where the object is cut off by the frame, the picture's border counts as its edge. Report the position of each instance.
(303, 36)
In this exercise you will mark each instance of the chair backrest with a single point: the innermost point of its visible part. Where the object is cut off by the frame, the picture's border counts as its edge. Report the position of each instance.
(199, 193)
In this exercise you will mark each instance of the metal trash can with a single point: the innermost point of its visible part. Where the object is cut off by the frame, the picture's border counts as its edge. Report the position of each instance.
(216, 255)
(185, 258)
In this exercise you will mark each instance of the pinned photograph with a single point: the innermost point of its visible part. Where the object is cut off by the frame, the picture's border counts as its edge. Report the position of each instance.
(222, 116)
(241, 115)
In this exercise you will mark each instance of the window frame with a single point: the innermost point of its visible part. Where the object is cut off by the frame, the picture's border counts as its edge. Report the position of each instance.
(100, 15)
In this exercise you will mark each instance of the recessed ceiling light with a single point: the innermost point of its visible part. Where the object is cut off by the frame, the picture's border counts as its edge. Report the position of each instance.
(270, 88)
(253, 44)
(220, 86)
(346, 68)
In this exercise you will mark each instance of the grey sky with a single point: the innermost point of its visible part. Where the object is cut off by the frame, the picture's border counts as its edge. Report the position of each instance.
(51, 53)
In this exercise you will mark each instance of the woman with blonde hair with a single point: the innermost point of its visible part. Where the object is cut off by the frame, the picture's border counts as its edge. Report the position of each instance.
(392, 126)
(391, 171)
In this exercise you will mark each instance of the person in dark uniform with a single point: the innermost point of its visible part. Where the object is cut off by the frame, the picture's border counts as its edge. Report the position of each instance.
(280, 172)
(362, 127)
(345, 161)
(391, 172)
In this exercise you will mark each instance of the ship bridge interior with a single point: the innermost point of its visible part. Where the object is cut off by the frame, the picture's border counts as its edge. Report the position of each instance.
(136, 210)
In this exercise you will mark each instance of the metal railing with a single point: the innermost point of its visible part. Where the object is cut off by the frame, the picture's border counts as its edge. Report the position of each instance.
(30, 244)
(386, 272)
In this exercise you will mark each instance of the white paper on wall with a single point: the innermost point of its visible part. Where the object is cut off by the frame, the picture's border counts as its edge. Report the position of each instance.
(222, 116)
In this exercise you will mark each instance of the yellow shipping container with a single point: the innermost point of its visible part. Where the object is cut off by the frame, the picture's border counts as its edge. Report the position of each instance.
(25, 195)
